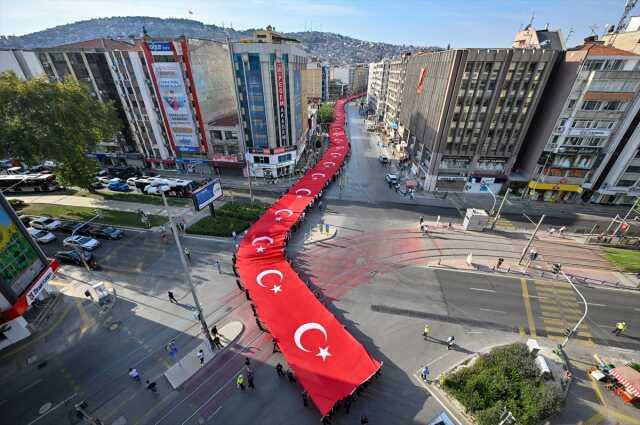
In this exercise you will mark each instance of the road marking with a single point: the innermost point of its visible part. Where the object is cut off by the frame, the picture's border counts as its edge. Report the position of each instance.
(527, 307)
(482, 290)
(52, 409)
(493, 311)
(426, 387)
(34, 383)
(538, 297)
(596, 389)
(593, 304)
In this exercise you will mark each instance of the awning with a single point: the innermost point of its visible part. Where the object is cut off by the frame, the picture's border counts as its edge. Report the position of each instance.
(555, 186)
(628, 377)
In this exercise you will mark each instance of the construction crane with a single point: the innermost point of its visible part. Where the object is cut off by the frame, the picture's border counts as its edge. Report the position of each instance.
(622, 23)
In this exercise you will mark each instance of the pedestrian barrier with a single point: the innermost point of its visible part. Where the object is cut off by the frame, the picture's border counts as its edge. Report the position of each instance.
(327, 360)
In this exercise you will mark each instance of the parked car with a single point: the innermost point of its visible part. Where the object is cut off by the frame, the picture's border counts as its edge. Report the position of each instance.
(44, 223)
(104, 232)
(383, 159)
(391, 178)
(25, 219)
(68, 226)
(119, 187)
(79, 241)
(41, 236)
(73, 257)
(97, 185)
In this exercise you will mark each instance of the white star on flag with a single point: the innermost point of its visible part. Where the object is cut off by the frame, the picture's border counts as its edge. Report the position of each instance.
(260, 249)
(324, 353)
(276, 289)
(278, 218)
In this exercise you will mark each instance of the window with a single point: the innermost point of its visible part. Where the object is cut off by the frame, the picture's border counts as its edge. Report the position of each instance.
(591, 105)
(571, 104)
(594, 65)
(216, 134)
(613, 65)
(626, 183)
(229, 135)
(576, 173)
(633, 169)
(614, 106)
(284, 158)
(581, 124)
(261, 159)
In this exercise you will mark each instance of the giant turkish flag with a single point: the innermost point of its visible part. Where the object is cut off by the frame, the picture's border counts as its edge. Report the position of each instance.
(329, 362)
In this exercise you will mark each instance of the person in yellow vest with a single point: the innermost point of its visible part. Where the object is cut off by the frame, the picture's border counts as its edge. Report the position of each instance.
(620, 327)
(425, 332)
(240, 382)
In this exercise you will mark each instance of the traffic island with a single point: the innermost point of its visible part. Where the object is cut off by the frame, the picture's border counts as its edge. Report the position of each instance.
(190, 364)
(509, 384)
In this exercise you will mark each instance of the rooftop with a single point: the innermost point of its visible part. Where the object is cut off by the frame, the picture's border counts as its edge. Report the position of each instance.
(98, 43)
(596, 48)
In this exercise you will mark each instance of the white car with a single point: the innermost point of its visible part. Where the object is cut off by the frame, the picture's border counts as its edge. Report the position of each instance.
(83, 242)
(391, 178)
(44, 223)
(41, 236)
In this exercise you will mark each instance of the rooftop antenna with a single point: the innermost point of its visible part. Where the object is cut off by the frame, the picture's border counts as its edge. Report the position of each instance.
(533, 15)
(622, 23)
(566, 41)
(593, 29)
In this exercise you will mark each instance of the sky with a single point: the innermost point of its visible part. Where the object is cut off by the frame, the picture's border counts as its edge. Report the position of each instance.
(460, 23)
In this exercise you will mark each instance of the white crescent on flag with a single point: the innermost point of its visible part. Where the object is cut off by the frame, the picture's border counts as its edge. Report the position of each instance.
(276, 287)
(262, 238)
(297, 337)
(303, 190)
(328, 164)
(335, 154)
(316, 176)
(284, 210)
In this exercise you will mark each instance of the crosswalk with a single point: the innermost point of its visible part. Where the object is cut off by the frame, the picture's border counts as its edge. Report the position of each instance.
(559, 309)
(504, 223)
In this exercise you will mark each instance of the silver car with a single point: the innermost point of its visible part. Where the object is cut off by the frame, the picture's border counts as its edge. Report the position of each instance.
(84, 242)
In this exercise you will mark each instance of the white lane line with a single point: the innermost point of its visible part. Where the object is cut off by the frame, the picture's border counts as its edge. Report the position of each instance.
(52, 409)
(636, 309)
(593, 304)
(482, 290)
(34, 383)
(490, 310)
(538, 297)
(426, 387)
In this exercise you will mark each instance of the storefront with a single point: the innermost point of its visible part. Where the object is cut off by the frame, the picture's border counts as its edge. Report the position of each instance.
(272, 163)
(484, 184)
(554, 192)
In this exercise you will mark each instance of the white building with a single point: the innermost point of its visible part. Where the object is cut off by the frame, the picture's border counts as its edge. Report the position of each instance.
(377, 88)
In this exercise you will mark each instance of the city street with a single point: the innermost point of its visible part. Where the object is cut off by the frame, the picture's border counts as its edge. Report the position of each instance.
(376, 275)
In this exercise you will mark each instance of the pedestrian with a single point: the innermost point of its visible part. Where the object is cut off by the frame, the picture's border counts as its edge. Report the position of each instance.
(290, 376)
(275, 346)
(200, 355)
(172, 350)
(187, 253)
(450, 341)
(499, 263)
(364, 420)
(235, 236)
(424, 373)
(247, 362)
(250, 380)
(214, 330)
(218, 267)
(305, 399)
(172, 297)
(279, 370)
(240, 382)
(449, 226)
(422, 229)
(216, 341)
(320, 205)
(620, 327)
(325, 420)
(421, 221)
(134, 374)
(425, 331)
(151, 386)
(87, 294)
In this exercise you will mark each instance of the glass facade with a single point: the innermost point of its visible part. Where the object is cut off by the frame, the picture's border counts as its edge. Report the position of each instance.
(297, 99)
(253, 93)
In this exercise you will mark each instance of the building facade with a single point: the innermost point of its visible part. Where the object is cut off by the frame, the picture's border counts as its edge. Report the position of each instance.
(377, 88)
(358, 78)
(576, 128)
(466, 111)
(24, 63)
(395, 86)
(530, 38)
(268, 71)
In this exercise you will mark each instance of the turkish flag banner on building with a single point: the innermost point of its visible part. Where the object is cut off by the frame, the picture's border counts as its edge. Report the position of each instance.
(327, 360)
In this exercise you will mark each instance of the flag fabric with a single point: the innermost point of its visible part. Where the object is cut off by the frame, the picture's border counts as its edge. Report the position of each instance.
(327, 360)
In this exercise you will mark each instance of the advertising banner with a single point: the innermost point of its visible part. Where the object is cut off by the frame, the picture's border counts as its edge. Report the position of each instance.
(282, 104)
(177, 106)
(207, 194)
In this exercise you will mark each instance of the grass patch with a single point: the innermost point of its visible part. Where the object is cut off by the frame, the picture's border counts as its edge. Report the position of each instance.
(508, 378)
(111, 217)
(231, 217)
(626, 259)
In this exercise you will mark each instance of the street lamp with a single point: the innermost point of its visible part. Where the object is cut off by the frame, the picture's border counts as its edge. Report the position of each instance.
(584, 315)
(185, 267)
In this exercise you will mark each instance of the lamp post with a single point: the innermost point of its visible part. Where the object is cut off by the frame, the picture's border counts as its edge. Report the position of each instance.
(533, 235)
(493, 225)
(584, 315)
(185, 267)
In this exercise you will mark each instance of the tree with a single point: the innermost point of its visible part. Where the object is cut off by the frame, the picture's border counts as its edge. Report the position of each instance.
(41, 120)
(325, 113)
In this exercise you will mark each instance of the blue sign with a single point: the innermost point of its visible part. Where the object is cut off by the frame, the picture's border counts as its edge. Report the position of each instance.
(159, 46)
(484, 188)
(191, 161)
(207, 194)
(394, 125)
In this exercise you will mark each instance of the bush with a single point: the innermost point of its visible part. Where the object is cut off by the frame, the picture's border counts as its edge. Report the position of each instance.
(508, 378)
(247, 212)
(218, 226)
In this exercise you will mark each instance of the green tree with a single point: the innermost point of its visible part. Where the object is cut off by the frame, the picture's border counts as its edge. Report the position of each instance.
(325, 113)
(41, 120)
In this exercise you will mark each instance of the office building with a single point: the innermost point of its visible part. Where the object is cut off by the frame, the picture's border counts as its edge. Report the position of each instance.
(358, 78)
(24, 63)
(579, 124)
(224, 135)
(465, 113)
(377, 89)
(341, 73)
(268, 70)
(395, 86)
(337, 89)
(325, 82)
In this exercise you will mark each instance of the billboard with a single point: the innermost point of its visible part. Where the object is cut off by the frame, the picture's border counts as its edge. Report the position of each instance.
(282, 106)
(207, 194)
(177, 106)
(20, 259)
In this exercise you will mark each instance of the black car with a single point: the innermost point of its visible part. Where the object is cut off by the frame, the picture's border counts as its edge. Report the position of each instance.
(104, 232)
(25, 219)
(69, 226)
(72, 257)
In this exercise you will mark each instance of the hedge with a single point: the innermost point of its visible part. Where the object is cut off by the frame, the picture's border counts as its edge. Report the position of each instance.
(218, 226)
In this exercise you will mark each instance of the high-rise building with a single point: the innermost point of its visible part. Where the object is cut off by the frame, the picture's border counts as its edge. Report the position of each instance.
(466, 112)
(358, 78)
(325, 82)
(579, 124)
(377, 88)
(337, 89)
(24, 63)
(268, 70)
(395, 86)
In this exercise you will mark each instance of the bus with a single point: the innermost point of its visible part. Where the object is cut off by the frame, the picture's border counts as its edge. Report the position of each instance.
(18, 183)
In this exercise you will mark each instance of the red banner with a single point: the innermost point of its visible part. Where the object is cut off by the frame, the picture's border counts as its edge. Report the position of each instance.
(328, 361)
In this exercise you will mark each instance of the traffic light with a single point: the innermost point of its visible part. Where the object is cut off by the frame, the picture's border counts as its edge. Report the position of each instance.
(556, 268)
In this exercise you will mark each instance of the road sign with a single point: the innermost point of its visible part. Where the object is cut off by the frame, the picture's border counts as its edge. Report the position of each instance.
(207, 194)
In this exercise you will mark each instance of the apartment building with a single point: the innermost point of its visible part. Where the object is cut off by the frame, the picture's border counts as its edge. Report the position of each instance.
(24, 63)
(268, 70)
(377, 88)
(466, 111)
(337, 89)
(358, 78)
(578, 127)
(393, 100)
(530, 38)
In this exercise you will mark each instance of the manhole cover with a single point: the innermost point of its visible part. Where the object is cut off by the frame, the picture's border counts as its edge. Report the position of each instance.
(114, 326)
(45, 408)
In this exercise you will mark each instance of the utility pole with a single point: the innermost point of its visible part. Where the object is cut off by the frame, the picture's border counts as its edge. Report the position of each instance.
(187, 272)
(586, 309)
(533, 235)
(497, 217)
